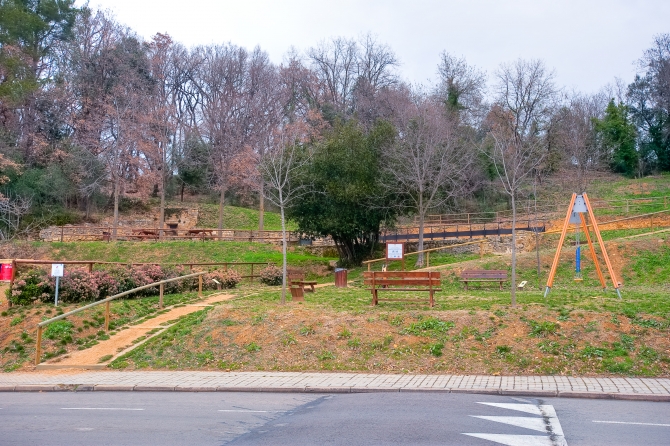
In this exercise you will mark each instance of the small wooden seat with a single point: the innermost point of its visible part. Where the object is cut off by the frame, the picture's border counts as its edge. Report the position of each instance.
(298, 278)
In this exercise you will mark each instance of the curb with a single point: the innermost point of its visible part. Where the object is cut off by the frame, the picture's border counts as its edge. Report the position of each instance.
(325, 389)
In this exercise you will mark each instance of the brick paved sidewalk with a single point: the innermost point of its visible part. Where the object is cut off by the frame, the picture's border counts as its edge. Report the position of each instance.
(649, 389)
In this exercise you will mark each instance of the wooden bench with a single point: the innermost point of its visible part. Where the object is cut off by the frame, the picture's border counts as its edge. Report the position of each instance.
(297, 278)
(428, 281)
(483, 275)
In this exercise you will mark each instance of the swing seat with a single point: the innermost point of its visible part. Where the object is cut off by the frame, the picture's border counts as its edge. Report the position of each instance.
(578, 279)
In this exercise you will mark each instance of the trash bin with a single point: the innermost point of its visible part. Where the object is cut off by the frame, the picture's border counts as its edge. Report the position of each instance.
(106, 236)
(340, 277)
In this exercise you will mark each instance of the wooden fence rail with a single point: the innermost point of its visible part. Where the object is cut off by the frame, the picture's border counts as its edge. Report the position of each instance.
(160, 284)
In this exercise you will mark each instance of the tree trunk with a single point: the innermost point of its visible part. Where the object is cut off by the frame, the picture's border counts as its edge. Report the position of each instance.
(261, 207)
(419, 259)
(513, 279)
(161, 219)
(283, 244)
(537, 238)
(115, 225)
(220, 225)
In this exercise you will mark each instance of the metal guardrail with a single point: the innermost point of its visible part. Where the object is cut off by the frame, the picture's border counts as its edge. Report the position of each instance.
(160, 284)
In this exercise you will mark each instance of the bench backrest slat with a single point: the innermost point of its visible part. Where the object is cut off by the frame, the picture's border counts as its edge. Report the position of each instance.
(401, 282)
(378, 279)
(484, 274)
(400, 274)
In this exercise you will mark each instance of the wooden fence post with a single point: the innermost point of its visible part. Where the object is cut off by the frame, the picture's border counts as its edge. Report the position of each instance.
(38, 347)
(251, 279)
(161, 289)
(428, 259)
(107, 305)
(200, 285)
(61, 234)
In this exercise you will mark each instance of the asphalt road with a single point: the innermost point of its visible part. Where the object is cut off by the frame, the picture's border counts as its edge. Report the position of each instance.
(147, 418)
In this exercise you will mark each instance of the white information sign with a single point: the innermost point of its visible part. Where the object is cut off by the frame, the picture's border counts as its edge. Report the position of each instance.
(56, 270)
(394, 251)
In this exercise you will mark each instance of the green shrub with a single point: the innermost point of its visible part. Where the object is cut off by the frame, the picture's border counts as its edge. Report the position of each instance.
(542, 329)
(436, 349)
(31, 286)
(271, 275)
(428, 326)
(59, 330)
(252, 347)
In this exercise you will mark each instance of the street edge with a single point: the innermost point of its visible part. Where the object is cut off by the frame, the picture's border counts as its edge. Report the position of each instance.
(334, 389)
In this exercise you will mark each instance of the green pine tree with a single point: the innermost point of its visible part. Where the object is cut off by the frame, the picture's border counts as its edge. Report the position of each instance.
(617, 134)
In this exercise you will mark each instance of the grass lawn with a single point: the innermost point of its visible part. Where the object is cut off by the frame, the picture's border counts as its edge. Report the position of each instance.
(579, 329)
(238, 218)
(77, 332)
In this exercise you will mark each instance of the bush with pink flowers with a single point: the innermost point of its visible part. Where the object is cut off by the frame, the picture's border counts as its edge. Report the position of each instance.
(79, 285)
(226, 279)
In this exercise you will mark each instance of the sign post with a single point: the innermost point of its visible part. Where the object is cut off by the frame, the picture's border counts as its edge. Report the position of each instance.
(57, 272)
(396, 251)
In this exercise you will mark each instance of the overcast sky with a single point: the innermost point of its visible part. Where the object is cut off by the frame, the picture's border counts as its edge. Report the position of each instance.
(587, 42)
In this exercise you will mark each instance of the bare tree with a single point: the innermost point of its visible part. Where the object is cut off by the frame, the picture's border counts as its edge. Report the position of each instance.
(517, 127)
(461, 87)
(429, 162)
(352, 73)
(335, 64)
(281, 167)
(12, 210)
(577, 137)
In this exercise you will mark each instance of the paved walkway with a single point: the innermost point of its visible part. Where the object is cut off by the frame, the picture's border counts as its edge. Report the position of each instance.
(125, 340)
(649, 389)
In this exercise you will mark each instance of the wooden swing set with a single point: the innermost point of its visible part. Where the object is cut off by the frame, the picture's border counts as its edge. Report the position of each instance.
(580, 205)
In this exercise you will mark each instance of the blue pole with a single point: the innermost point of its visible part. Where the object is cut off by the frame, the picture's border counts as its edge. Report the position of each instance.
(578, 262)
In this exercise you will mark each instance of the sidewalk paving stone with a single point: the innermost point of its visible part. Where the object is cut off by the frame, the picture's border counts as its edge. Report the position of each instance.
(193, 381)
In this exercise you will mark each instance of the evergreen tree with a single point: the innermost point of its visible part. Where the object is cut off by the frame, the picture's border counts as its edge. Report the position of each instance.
(617, 135)
(347, 202)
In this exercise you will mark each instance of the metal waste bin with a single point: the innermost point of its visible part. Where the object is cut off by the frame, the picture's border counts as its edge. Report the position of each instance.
(340, 277)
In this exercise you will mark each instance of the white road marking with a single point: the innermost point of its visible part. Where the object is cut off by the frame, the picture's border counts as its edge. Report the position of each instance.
(547, 422)
(250, 411)
(516, 440)
(84, 429)
(630, 422)
(528, 408)
(98, 408)
(536, 424)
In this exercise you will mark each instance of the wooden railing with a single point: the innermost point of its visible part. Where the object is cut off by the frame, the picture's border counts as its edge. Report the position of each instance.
(428, 251)
(524, 213)
(107, 301)
(127, 233)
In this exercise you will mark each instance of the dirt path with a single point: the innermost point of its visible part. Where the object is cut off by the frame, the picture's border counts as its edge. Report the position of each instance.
(123, 341)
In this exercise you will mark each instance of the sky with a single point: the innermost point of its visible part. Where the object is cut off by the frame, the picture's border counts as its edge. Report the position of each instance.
(588, 43)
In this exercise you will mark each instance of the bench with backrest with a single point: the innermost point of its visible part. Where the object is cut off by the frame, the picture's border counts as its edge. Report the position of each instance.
(297, 278)
(483, 275)
(409, 281)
